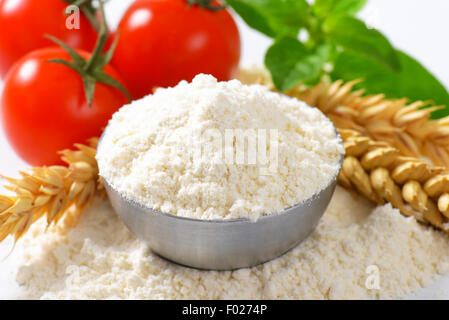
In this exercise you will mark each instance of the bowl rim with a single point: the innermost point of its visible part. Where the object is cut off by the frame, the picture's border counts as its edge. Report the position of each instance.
(264, 217)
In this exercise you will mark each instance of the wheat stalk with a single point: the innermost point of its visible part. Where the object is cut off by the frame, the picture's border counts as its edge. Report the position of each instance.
(394, 153)
(55, 192)
(404, 126)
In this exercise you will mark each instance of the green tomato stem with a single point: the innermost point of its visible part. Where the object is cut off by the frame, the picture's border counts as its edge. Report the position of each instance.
(91, 70)
(207, 4)
(102, 38)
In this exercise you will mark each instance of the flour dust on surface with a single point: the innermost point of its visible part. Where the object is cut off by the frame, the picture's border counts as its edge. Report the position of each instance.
(357, 252)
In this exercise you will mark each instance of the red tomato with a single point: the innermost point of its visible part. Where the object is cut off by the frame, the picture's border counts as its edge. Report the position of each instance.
(165, 41)
(44, 109)
(23, 24)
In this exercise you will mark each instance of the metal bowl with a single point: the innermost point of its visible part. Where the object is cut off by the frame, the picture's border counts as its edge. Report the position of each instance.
(224, 244)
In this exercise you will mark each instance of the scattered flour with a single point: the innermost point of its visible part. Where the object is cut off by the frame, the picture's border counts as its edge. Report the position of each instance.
(100, 259)
(149, 150)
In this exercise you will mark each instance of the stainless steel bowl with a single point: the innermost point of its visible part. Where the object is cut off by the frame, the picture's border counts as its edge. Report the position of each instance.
(221, 245)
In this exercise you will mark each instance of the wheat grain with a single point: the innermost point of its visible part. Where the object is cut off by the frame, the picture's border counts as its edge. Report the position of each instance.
(443, 204)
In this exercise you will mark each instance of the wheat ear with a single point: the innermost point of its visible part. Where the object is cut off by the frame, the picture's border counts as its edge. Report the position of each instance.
(405, 126)
(394, 152)
(55, 192)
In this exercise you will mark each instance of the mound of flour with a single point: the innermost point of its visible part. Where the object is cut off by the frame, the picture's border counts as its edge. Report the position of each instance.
(100, 259)
(169, 151)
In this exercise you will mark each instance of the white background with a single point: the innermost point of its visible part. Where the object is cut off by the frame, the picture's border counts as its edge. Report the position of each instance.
(419, 27)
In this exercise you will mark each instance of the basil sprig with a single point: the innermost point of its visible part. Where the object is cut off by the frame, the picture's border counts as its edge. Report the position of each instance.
(339, 45)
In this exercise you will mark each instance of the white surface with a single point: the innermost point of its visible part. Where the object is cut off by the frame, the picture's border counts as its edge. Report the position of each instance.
(416, 26)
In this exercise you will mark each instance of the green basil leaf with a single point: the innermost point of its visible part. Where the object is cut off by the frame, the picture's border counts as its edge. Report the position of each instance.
(273, 17)
(350, 7)
(289, 62)
(323, 7)
(253, 16)
(413, 82)
(335, 7)
(292, 14)
(352, 34)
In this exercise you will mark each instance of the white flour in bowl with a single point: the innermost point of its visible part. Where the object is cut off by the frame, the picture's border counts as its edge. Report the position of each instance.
(149, 150)
(357, 252)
